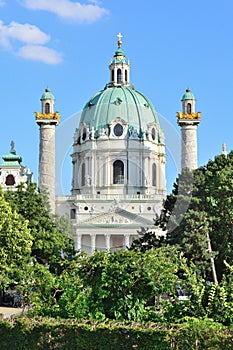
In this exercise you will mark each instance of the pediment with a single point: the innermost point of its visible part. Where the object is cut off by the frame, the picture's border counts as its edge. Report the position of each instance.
(117, 217)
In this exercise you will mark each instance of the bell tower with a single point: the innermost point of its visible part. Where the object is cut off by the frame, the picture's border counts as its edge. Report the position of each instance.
(47, 121)
(188, 120)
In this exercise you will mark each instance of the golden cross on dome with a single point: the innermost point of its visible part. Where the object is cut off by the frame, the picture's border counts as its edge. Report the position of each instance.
(119, 35)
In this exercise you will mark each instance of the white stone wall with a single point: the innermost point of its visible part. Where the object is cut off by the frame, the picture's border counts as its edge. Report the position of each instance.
(108, 215)
(185, 106)
(138, 158)
(98, 220)
(51, 104)
(19, 173)
(46, 179)
(189, 146)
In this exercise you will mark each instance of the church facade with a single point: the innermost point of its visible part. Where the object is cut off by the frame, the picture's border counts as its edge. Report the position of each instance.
(118, 161)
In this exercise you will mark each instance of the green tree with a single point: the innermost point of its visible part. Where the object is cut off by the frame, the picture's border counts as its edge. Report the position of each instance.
(15, 244)
(52, 237)
(185, 222)
(147, 240)
(217, 199)
(172, 214)
(120, 284)
(198, 217)
(111, 285)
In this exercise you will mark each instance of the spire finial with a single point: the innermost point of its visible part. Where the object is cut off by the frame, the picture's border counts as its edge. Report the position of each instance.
(119, 35)
(12, 144)
(224, 149)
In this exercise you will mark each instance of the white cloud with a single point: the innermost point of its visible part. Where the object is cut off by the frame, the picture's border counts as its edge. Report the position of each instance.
(34, 39)
(68, 9)
(40, 53)
(26, 33)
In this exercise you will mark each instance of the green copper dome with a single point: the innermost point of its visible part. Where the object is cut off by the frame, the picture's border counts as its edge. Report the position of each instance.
(47, 95)
(119, 52)
(119, 102)
(119, 56)
(11, 159)
(188, 95)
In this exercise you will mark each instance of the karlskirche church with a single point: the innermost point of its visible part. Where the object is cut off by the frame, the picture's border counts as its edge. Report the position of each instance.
(118, 160)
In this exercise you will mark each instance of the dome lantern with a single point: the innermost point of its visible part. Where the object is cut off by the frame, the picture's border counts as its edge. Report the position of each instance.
(188, 102)
(47, 102)
(119, 68)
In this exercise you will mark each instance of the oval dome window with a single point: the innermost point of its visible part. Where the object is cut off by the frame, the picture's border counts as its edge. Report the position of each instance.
(118, 129)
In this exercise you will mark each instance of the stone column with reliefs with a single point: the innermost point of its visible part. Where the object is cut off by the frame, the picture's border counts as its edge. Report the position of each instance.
(188, 120)
(47, 121)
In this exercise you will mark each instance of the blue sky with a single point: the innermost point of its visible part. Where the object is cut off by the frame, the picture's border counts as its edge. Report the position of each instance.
(67, 45)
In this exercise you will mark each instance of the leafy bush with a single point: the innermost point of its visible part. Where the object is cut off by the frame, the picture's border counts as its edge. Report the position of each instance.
(36, 334)
(110, 285)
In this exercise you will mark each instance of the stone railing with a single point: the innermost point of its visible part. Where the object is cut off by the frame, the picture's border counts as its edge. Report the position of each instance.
(112, 196)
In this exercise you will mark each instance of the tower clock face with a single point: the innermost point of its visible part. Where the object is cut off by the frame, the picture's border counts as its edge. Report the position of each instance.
(118, 130)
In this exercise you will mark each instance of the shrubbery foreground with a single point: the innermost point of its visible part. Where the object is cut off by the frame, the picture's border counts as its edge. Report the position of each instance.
(25, 334)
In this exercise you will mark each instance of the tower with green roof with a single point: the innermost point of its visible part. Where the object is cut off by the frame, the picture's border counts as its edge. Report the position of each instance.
(188, 120)
(12, 172)
(47, 121)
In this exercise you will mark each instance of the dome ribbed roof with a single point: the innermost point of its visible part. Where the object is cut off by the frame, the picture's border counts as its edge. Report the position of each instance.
(188, 95)
(47, 95)
(11, 159)
(119, 102)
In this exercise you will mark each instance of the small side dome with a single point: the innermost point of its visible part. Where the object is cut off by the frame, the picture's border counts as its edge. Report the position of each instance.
(47, 95)
(11, 159)
(188, 95)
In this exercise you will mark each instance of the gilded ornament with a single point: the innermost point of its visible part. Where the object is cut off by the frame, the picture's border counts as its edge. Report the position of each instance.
(52, 116)
(191, 116)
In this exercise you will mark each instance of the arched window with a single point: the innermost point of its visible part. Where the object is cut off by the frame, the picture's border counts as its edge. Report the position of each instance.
(153, 133)
(126, 76)
(119, 76)
(72, 213)
(189, 108)
(47, 108)
(112, 74)
(118, 172)
(84, 134)
(154, 174)
(10, 180)
(83, 175)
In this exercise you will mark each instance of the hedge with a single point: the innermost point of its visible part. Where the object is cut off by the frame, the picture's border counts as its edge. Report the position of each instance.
(23, 333)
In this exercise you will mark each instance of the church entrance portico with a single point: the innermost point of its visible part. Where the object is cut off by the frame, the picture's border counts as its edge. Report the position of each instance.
(107, 242)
